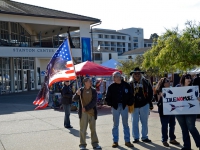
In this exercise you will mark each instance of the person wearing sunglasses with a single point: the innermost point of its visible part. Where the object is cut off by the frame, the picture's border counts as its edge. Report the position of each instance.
(143, 95)
(165, 119)
(187, 122)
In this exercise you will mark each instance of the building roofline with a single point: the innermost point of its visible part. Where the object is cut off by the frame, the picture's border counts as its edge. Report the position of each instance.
(94, 20)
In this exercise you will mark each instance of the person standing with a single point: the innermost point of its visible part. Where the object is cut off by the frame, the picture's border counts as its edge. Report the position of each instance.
(165, 119)
(187, 122)
(118, 97)
(87, 97)
(66, 101)
(143, 95)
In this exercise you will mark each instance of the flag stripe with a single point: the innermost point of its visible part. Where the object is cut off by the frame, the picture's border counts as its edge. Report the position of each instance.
(61, 79)
(69, 71)
(69, 65)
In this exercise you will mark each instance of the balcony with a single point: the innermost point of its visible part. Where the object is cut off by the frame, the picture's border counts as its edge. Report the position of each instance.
(27, 41)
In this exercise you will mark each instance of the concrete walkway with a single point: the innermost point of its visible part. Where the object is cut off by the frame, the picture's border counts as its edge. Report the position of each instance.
(23, 128)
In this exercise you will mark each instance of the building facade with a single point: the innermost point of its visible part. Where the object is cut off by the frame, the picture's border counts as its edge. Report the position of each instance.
(29, 36)
(119, 41)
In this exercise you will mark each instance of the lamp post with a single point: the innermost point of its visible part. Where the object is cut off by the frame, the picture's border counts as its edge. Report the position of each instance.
(92, 38)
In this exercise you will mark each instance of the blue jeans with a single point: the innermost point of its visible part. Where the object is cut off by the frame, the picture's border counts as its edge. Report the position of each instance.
(116, 115)
(67, 109)
(165, 120)
(141, 113)
(187, 123)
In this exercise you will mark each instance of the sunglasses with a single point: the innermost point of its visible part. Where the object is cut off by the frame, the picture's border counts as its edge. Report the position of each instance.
(116, 76)
(167, 81)
(136, 73)
(188, 77)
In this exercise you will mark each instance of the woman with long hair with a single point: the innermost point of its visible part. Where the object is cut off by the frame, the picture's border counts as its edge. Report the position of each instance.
(187, 122)
(165, 119)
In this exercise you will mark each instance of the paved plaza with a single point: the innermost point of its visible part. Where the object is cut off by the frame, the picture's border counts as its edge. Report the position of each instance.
(23, 128)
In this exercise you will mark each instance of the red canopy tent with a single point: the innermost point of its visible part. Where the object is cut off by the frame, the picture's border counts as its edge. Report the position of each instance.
(90, 68)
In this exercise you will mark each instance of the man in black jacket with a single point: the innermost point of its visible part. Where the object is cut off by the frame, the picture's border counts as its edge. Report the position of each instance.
(143, 95)
(66, 101)
(118, 96)
(87, 97)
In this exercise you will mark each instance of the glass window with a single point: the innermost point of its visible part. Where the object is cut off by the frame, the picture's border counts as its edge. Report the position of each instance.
(135, 39)
(149, 45)
(97, 56)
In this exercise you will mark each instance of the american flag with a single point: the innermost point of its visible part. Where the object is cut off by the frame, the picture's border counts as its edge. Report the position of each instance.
(60, 68)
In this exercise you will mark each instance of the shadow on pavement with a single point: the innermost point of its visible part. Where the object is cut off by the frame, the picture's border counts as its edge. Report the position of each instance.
(17, 102)
(152, 146)
(75, 132)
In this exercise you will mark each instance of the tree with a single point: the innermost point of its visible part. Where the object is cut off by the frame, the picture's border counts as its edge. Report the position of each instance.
(126, 66)
(154, 36)
(175, 50)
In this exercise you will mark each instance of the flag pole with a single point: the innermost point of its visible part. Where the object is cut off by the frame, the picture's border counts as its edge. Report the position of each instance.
(74, 70)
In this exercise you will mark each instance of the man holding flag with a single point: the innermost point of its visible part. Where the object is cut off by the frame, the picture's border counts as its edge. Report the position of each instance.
(87, 97)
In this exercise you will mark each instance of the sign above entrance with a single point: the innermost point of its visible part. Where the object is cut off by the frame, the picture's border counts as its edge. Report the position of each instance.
(26, 52)
(30, 52)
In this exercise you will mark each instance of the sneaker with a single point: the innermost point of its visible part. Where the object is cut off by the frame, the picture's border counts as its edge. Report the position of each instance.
(82, 147)
(115, 144)
(146, 140)
(166, 144)
(136, 141)
(174, 142)
(128, 144)
(97, 147)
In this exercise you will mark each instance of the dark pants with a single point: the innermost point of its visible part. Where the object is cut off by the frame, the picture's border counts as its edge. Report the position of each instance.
(67, 109)
(187, 123)
(165, 121)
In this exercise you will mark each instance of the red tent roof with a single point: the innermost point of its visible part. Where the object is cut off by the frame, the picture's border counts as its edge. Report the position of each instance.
(90, 68)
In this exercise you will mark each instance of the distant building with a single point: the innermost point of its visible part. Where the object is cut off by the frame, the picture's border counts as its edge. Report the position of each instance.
(148, 42)
(133, 53)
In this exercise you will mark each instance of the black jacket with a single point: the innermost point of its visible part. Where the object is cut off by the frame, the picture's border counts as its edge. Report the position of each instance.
(91, 105)
(146, 99)
(112, 96)
(67, 94)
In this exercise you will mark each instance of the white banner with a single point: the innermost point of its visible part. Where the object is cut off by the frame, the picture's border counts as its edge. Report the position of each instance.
(181, 100)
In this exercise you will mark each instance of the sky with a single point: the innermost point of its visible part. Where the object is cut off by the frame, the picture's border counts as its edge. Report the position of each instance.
(154, 16)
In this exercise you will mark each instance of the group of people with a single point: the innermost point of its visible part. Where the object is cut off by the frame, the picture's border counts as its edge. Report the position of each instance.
(186, 122)
(133, 97)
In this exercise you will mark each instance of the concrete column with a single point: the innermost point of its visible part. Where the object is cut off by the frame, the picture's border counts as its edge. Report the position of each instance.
(12, 81)
(9, 31)
(35, 74)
